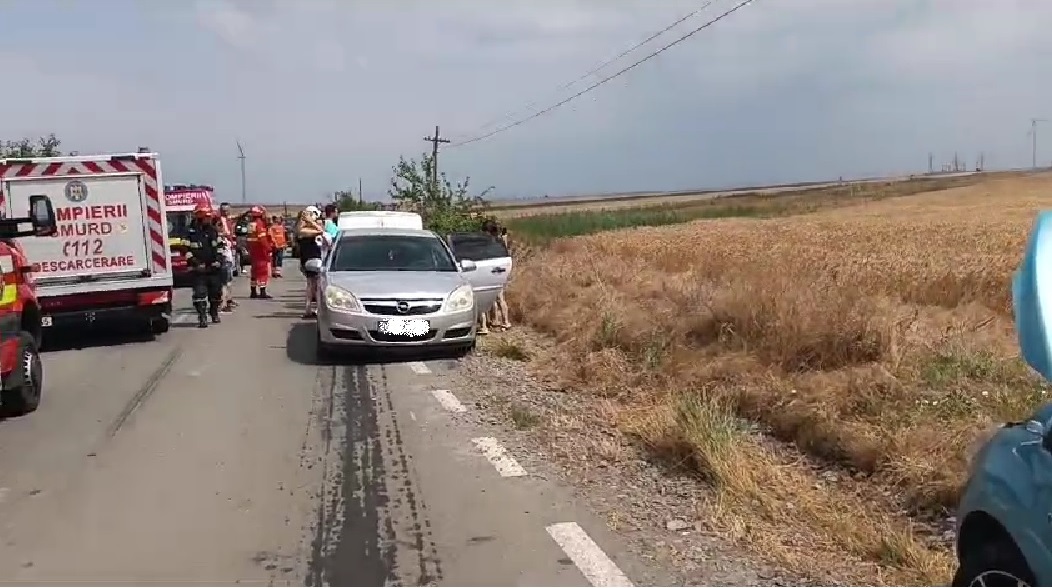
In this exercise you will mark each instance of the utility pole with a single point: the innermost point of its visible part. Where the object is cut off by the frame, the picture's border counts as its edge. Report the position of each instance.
(435, 140)
(361, 195)
(1033, 140)
(931, 162)
(241, 156)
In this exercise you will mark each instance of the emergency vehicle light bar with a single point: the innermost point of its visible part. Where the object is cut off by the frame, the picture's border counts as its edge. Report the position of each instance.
(131, 157)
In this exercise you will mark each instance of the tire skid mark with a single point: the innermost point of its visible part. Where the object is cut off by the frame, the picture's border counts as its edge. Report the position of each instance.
(428, 568)
(370, 525)
(353, 545)
(144, 392)
(326, 419)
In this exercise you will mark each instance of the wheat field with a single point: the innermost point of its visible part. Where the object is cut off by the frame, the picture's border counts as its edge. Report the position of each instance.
(875, 340)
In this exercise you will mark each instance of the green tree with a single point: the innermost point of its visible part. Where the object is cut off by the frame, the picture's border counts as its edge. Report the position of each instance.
(43, 147)
(346, 201)
(445, 206)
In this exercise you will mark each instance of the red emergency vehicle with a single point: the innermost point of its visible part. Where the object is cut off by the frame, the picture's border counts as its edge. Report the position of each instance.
(180, 201)
(21, 371)
(109, 261)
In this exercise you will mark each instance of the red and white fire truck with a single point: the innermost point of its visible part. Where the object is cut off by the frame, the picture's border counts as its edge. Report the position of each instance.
(108, 259)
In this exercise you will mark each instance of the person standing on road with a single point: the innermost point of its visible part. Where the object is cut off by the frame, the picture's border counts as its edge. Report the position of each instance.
(332, 229)
(498, 315)
(260, 250)
(309, 243)
(277, 237)
(205, 258)
(226, 231)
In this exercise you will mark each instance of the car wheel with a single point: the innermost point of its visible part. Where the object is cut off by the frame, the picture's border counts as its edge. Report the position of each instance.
(994, 563)
(159, 326)
(23, 388)
(324, 352)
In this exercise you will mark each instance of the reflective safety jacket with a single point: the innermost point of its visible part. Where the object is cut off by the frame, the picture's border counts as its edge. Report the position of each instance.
(277, 236)
(205, 246)
(259, 242)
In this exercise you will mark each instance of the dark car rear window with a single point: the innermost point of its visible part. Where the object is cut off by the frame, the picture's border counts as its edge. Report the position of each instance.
(477, 246)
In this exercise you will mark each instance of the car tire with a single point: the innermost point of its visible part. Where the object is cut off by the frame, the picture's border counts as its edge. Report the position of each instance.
(994, 563)
(324, 352)
(24, 386)
(159, 326)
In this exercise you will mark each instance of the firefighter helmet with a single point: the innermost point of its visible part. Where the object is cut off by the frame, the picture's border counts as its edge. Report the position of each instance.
(257, 212)
(203, 210)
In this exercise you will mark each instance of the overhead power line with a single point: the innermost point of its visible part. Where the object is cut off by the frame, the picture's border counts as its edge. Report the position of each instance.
(616, 74)
(598, 68)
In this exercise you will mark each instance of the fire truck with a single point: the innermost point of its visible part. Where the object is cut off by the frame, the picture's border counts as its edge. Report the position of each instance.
(21, 371)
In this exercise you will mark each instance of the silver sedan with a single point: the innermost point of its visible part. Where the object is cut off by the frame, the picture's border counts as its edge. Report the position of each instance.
(395, 288)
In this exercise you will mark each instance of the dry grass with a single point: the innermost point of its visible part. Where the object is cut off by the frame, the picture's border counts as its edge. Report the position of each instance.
(876, 339)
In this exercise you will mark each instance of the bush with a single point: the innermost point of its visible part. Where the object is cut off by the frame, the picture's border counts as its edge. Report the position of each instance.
(445, 207)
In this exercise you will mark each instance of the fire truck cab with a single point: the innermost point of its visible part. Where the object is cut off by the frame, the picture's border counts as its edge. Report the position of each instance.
(21, 371)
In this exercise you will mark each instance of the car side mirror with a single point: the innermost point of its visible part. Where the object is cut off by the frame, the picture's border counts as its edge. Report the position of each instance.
(468, 266)
(1032, 297)
(42, 216)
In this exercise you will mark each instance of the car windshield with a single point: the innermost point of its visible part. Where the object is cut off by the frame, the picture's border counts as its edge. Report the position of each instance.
(393, 253)
(178, 224)
(477, 246)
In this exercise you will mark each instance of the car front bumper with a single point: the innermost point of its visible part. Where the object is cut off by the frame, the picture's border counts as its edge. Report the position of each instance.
(361, 329)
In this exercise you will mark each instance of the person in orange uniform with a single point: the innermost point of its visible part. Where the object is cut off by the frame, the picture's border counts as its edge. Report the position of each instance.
(280, 241)
(260, 250)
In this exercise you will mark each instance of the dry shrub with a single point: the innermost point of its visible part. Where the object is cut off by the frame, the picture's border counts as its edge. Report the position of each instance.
(876, 337)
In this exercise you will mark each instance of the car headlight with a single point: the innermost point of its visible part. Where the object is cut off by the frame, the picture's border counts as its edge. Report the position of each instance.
(341, 299)
(463, 298)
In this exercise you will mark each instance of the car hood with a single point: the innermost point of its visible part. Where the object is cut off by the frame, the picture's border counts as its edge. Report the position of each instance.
(399, 285)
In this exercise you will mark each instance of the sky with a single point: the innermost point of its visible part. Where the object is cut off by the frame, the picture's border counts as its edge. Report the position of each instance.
(323, 92)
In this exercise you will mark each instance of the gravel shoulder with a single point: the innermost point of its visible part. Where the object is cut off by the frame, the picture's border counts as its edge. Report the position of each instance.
(658, 512)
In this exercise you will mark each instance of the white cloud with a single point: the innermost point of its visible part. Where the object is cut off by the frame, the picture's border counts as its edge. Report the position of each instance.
(322, 91)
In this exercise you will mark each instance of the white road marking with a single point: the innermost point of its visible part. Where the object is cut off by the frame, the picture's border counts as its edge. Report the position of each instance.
(419, 367)
(412, 415)
(448, 400)
(3, 493)
(496, 454)
(183, 317)
(599, 569)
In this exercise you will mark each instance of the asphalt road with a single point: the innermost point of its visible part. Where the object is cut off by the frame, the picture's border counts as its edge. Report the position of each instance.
(228, 456)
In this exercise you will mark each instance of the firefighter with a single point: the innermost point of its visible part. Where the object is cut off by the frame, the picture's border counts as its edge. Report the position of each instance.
(260, 250)
(278, 238)
(205, 258)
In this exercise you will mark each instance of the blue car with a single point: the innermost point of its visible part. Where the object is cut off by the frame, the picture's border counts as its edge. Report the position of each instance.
(1004, 534)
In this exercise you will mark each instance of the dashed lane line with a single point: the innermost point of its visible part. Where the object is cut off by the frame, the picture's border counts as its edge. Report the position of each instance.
(589, 558)
(448, 401)
(419, 367)
(505, 464)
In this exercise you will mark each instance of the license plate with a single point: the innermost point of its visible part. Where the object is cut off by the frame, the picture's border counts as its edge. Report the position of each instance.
(45, 321)
(410, 327)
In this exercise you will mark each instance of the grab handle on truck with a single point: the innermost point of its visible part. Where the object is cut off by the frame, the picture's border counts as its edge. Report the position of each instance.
(40, 222)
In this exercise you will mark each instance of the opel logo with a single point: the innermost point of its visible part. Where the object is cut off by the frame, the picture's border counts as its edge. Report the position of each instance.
(402, 307)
